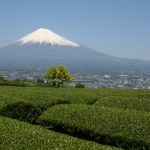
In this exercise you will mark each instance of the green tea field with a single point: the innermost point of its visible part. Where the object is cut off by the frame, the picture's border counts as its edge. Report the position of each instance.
(46, 118)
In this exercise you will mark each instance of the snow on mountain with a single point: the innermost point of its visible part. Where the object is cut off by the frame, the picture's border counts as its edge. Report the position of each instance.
(43, 35)
(53, 50)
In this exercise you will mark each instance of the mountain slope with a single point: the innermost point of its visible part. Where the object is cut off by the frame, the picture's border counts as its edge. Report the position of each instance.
(43, 48)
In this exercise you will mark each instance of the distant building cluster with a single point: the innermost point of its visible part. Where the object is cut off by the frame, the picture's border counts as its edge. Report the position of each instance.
(132, 80)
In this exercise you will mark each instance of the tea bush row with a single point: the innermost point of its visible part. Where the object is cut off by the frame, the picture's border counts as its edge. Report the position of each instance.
(16, 135)
(121, 102)
(121, 128)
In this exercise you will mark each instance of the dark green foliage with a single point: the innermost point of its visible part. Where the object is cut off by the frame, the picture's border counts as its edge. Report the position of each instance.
(121, 128)
(22, 111)
(79, 85)
(2, 78)
(40, 80)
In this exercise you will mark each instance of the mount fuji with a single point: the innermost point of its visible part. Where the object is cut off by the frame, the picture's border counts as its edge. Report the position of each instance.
(43, 48)
(45, 36)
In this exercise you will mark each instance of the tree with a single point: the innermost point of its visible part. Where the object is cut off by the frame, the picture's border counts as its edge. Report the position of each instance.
(58, 75)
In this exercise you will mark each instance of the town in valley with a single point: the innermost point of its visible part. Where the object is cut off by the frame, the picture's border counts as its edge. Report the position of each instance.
(130, 79)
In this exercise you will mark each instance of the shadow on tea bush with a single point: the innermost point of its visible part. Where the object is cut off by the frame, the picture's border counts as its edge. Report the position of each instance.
(53, 103)
(22, 111)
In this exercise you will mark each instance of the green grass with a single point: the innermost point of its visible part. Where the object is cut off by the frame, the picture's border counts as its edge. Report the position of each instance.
(125, 128)
(15, 135)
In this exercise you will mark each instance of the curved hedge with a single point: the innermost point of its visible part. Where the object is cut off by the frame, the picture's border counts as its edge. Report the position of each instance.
(16, 135)
(124, 102)
(120, 128)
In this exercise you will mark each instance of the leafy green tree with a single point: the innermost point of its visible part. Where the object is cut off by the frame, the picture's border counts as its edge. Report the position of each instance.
(58, 75)
(50, 74)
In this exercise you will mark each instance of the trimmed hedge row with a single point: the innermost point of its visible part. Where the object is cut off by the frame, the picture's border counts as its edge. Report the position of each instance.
(41, 101)
(20, 135)
(43, 96)
(121, 128)
(27, 112)
(121, 102)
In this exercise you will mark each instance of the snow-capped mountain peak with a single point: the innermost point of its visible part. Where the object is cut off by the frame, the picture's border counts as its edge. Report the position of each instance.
(43, 35)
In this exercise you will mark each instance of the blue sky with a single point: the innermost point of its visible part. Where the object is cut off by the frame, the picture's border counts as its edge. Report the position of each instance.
(116, 27)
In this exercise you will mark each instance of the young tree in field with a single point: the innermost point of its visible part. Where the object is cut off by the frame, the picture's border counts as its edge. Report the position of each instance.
(50, 74)
(58, 75)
